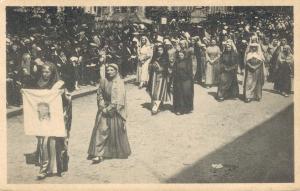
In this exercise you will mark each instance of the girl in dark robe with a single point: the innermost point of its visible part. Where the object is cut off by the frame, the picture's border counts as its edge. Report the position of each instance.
(284, 65)
(109, 137)
(159, 81)
(183, 95)
(228, 85)
(52, 152)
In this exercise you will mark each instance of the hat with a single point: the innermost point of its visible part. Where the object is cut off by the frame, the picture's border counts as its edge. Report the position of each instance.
(160, 39)
(113, 65)
(254, 44)
(27, 41)
(202, 45)
(38, 61)
(93, 45)
(73, 59)
(167, 42)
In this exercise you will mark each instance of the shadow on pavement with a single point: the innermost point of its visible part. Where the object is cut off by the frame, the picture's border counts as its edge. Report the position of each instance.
(265, 154)
(163, 107)
(271, 91)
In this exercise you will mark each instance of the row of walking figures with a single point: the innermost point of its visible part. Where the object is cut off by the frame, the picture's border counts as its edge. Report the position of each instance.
(166, 70)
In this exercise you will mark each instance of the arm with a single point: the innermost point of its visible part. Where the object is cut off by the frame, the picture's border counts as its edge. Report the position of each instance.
(100, 99)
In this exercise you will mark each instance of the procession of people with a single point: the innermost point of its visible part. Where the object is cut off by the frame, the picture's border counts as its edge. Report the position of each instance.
(106, 53)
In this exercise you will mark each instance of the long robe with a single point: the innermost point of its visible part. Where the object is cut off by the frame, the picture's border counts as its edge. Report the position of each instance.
(183, 95)
(159, 86)
(254, 79)
(145, 54)
(52, 152)
(212, 69)
(228, 85)
(109, 137)
(282, 78)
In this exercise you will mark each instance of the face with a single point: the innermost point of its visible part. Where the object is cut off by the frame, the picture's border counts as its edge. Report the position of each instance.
(160, 51)
(181, 55)
(275, 42)
(213, 42)
(143, 40)
(267, 40)
(283, 42)
(111, 72)
(14, 47)
(46, 73)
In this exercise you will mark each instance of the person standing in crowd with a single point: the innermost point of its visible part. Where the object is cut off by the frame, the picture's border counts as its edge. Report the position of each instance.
(158, 85)
(133, 60)
(25, 71)
(52, 152)
(254, 73)
(70, 74)
(126, 56)
(92, 65)
(102, 64)
(198, 53)
(284, 67)
(145, 54)
(272, 48)
(228, 85)
(275, 55)
(183, 85)
(109, 137)
(213, 54)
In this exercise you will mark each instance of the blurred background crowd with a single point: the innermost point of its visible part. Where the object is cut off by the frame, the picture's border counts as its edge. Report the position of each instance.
(80, 41)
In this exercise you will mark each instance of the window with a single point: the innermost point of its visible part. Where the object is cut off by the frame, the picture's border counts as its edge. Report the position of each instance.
(133, 9)
(124, 10)
(117, 9)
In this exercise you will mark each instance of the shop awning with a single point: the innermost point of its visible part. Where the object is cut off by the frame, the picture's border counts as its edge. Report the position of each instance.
(130, 17)
(137, 18)
(197, 19)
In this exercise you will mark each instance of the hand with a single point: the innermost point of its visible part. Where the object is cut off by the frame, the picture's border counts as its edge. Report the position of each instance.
(66, 142)
(104, 111)
(35, 68)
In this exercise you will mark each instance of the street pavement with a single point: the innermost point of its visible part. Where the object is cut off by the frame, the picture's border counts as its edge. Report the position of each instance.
(231, 141)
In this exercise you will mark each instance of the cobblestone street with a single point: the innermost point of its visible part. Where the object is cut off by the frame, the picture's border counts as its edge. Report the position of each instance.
(253, 142)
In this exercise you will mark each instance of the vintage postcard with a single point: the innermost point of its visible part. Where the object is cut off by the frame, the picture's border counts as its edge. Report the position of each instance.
(149, 95)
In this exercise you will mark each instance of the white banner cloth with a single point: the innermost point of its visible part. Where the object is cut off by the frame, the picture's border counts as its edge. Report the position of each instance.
(43, 113)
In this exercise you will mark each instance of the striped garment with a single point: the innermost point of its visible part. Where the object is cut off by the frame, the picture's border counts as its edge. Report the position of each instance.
(160, 87)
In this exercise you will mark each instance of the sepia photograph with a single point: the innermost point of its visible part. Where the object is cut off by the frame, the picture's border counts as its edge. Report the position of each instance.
(149, 94)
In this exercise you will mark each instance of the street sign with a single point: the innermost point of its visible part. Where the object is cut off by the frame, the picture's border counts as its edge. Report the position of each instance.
(163, 20)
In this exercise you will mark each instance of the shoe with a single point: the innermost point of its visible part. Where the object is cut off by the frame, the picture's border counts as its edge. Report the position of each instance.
(220, 99)
(90, 157)
(41, 175)
(97, 160)
(248, 100)
(284, 94)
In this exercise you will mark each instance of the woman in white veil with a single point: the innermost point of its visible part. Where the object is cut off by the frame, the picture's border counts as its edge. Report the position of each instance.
(254, 72)
(145, 53)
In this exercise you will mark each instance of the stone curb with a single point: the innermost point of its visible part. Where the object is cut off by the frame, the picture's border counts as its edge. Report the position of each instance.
(18, 111)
